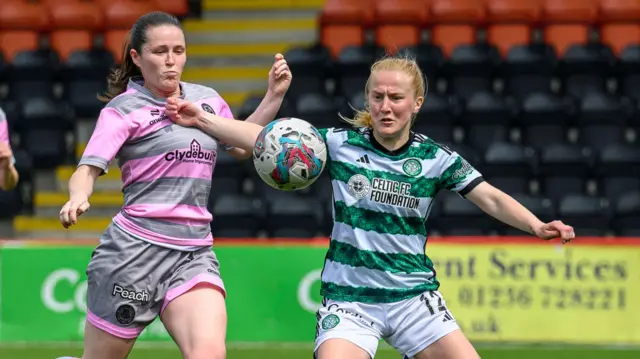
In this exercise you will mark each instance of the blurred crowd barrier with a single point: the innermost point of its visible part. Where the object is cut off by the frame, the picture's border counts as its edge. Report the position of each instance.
(500, 289)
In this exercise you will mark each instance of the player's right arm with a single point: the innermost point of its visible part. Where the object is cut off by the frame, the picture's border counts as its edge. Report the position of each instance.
(110, 133)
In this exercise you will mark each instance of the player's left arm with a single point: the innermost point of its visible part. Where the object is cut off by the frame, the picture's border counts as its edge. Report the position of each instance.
(279, 81)
(462, 177)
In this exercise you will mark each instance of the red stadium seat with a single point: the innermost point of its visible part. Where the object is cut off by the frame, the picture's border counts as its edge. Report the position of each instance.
(343, 22)
(567, 22)
(510, 22)
(20, 26)
(619, 23)
(455, 22)
(74, 24)
(114, 41)
(123, 14)
(174, 7)
(399, 23)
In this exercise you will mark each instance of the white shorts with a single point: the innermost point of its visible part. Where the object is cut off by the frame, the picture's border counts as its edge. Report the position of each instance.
(410, 325)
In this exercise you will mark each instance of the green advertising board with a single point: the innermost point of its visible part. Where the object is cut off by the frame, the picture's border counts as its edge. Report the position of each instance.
(273, 292)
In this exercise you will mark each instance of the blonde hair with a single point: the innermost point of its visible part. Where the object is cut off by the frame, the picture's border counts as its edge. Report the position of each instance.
(407, 65)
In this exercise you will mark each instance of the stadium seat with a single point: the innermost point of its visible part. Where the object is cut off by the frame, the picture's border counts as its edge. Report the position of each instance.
(221, 186)
(83, 78)
(47, 147)
(33, 74)
(436, 119)
(563, 170)
(45, 113)
(430, 59)
(510, 23)
(317, 109)
(540, 206)
(11, 204)
(601, 120)
(237, 216)
(626, 214)
(229, 167)
(311, 67)
(342, 23)
(290, 216)
(178, 8)
(454, 23)
(114, 43)
(567, 22)
(398, 23)
(120, 15)
(471, 69)
(586, 68)
(528, 69)
(74, 25)
(509, 167)
(460, 216)
(20, 25)
(618, 170)
(619, 23)
(357, 101)
(486, 119)
(543, 119)
(628, 75)
(352, 67)
(248, 107)
(589, 216)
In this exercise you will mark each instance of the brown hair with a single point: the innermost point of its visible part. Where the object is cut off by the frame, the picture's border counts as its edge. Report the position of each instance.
(405, 64)
(136, 37)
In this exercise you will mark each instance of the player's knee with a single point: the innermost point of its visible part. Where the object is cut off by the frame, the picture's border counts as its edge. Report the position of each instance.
(206, 351)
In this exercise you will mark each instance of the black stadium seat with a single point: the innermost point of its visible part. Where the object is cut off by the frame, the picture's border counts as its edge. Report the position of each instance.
(237, 216)
(486, 119)
(471, 69)
(529, 69)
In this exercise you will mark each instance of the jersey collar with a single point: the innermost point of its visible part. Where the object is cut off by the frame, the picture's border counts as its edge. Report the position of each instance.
(137, 83)
(402, 149)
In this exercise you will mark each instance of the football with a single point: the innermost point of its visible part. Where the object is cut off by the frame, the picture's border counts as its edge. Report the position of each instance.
(289, 154)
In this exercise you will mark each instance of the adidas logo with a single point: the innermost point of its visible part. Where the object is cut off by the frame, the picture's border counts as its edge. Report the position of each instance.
(363, 159)
(447, 317)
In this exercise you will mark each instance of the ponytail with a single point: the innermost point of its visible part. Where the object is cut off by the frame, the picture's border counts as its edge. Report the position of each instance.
(119, 77)
(362, 119)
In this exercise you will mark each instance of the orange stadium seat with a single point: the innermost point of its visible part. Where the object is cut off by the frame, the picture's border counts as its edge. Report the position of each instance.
(619, 23)
(20, 26)
(343, 23)
(510, 22)
(174, 7)
(399, 23)
(455, 22)
(123, 14)
(74, 24)
(567, 22)
(114, 41)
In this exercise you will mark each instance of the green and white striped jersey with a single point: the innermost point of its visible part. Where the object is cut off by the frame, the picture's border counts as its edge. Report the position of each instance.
(381, 200)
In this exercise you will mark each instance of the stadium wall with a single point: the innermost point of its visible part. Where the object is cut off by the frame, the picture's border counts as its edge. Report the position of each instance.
(500, 289)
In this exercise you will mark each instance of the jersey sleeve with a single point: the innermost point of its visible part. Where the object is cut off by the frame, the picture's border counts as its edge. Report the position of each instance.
(458, 175)
(4, 133)
(110, 133)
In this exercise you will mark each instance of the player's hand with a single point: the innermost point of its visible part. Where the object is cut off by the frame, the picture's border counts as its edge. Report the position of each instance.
(556, 229)
(182, 112)
(75, 207)
(279, 76)
(5, 151)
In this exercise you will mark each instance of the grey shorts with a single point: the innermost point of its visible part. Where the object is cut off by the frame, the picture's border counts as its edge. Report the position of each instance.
(131, 281)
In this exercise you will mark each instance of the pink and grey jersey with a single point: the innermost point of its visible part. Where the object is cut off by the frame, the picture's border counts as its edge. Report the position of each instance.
(166, 168)
(4, 131)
